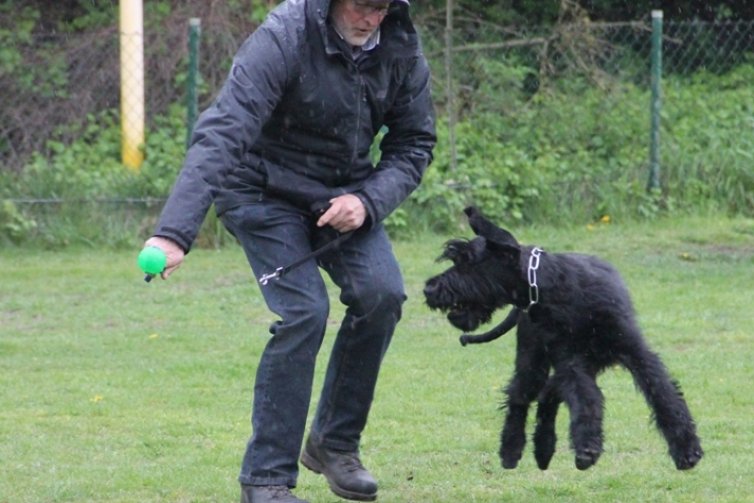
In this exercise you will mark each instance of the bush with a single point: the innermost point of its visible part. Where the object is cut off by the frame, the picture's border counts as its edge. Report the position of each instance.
(572, 154)
(577, 154)
(82, 194)
(496, 176)
(710, 152)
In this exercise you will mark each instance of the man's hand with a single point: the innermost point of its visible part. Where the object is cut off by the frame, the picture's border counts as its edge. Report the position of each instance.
(173, 252)
(346, 213)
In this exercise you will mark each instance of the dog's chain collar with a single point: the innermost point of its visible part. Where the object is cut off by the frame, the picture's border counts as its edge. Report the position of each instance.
(532, 276)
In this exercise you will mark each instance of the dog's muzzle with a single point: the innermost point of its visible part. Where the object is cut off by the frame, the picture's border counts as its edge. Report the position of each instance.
(461, 315)
(436, 297)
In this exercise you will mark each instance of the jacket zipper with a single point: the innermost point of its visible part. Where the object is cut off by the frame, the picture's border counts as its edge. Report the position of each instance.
(360, 99)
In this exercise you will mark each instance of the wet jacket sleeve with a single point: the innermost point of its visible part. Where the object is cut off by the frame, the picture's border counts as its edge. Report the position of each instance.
(225, 131)
(406, 148)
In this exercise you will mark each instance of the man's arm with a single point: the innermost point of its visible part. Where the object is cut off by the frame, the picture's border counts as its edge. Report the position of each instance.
(224, 132)
(406, 148)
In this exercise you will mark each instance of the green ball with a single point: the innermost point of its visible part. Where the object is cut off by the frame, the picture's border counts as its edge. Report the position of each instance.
(152, 260)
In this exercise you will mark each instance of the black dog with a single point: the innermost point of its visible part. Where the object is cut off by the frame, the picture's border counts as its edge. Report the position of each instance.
(574, 316)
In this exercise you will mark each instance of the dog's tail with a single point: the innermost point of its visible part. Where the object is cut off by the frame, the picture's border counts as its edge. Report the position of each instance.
(508, 323)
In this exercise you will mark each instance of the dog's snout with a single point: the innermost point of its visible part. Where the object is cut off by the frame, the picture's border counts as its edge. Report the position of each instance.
(430, 287)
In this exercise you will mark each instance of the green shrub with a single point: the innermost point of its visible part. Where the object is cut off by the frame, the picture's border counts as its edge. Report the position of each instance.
(574, 153)
(495, 176)
(81, 193)
(710, 141)
(578, 152)
(15, 227)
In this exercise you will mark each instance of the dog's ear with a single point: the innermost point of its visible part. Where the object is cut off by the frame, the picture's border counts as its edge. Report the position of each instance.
(452, 249)
(463, 251)
(491, 232)
(508, 253)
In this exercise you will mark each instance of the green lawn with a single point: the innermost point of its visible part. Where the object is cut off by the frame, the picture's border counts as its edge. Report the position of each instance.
(114, 390)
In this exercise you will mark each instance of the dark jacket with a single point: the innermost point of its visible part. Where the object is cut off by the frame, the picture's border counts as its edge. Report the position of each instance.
(296, 118)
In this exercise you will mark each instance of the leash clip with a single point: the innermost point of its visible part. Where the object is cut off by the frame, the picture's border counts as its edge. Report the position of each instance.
(272, 275)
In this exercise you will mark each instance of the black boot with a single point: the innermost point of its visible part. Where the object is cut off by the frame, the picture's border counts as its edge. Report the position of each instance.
(345, 474)
(268, 494)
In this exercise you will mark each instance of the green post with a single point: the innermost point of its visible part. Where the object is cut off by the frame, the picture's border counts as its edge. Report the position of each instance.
(192, 78)
(656, 105)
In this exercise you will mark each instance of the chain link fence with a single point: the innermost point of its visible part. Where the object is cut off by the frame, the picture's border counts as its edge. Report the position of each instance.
(606, 53)
(66, 79)
(484, 70)
(61, 82)
(52, 85)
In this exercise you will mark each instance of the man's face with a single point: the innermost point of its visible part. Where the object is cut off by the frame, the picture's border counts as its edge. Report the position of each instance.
(356, 20)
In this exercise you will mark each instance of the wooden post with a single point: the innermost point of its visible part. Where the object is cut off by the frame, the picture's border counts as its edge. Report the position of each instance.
(132, 83)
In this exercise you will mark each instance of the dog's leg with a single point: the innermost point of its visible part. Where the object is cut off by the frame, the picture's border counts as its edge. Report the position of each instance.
(528, 379)
(578, 389)
(664, 397)
(545, 437)
(505, 326)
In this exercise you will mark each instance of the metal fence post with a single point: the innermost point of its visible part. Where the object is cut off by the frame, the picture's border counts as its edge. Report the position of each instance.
(452, 115)
(656, 105)
(192, 78)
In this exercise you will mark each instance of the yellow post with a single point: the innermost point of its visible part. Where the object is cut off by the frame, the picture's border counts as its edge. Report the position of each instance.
(132, 82)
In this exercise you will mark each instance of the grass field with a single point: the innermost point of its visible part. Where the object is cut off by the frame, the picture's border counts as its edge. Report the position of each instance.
(112, 390)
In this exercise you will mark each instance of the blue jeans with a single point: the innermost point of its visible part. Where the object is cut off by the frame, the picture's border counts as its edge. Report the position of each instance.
(274, 233)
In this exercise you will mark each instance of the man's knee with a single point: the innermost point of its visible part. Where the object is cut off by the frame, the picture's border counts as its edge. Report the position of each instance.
(382, 297)
(305, 309)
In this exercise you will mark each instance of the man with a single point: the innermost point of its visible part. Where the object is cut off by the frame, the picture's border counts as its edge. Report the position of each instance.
(291, 130)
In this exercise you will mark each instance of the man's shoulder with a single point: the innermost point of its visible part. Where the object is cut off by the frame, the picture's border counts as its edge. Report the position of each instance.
(292, 21)
(400, 35)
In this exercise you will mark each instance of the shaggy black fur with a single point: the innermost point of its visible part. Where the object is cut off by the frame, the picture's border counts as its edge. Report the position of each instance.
(575, 318)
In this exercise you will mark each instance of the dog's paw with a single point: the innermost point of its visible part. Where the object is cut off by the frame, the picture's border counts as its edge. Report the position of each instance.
(544, 463)
(464, 339)
(688, 460)
(544, 447)
(509, 464)
(509, 457)
(586, 458)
